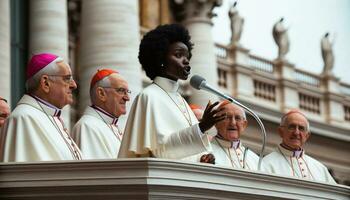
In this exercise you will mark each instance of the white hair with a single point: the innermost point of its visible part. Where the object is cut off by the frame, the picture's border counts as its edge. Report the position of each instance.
(105, 82)
(234, 105)
(285, 117)
(243, 112)
(33, 82)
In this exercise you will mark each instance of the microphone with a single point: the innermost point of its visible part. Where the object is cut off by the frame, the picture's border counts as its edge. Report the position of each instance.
(200, 83)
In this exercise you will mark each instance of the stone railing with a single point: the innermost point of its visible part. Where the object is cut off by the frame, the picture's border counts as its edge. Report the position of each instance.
(347, 113)
(281, 86)
(309, 103)
(261, 64)
(307, 78)
(345, 89)
(265, 90)
(221, 51)
(150, 178)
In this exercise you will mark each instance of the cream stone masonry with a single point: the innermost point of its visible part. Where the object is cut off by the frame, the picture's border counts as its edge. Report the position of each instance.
(196, 16)
(110, 39)
(5, 53)
(150, 178)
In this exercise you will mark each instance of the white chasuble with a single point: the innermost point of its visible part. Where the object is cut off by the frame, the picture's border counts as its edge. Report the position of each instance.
(288, 163)
(238, 157)
(161, 124)
(35, 132)
(97, 134)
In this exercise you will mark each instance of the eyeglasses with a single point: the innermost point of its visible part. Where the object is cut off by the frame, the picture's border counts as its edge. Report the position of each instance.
(2, 99)
(121, 91)
(238, 118)
(294, 127)
(66, 78)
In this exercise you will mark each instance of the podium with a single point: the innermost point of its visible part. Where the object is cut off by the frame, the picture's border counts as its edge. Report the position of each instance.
(152, 178)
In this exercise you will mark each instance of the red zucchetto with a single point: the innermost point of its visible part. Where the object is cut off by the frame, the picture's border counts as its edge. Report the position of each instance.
(100, 74)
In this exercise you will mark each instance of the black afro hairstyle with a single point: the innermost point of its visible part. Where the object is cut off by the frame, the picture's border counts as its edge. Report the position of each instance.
(155, 44)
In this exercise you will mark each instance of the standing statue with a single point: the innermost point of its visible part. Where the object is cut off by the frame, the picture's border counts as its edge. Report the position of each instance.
(280, 36)
(327, 54)
(236, 24)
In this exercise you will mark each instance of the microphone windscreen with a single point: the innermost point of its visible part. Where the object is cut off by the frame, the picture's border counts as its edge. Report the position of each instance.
(196, 81)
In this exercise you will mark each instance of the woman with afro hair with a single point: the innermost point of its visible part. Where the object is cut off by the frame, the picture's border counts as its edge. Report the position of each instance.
(160, 122)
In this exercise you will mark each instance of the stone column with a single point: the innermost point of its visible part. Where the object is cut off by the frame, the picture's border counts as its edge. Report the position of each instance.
(110, 38)
(288, 86)
(196, 16)
(5, 53)
(150, 15)
(48, 32)
(48, 27)
(334, 111)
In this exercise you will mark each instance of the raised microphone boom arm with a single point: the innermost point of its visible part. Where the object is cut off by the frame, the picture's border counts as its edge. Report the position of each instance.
(199, 83)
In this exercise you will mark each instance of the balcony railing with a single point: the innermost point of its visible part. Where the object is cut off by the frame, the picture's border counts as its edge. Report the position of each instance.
(345, 89)
(221, 51)
(265, 91)
(309, 103)
(307, 78)
(268, 82)
(261, 64)
(150, 178)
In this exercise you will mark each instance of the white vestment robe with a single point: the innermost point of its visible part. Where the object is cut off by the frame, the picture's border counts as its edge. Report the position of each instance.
(161, 124)
(228, 154)
(97, 134)
(238, 157)
(288, 163)
(35, 132)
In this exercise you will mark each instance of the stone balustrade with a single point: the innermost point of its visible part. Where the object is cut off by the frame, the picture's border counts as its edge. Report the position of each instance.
(151, 178)
(282, 86)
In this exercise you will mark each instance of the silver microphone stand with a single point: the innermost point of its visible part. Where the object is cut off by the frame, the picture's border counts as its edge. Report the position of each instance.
(263, 131)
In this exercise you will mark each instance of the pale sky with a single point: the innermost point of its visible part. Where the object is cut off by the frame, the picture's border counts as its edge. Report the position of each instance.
(308, 21)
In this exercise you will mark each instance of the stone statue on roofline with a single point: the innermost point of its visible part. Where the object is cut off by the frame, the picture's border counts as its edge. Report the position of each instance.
(280, 35)
(327, 54)
(236, 24)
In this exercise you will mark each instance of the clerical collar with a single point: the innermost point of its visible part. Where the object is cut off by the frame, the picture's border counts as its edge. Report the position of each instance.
(287, 152)
(47, 107)
(167, 84)
(107, 117)
(228, 144)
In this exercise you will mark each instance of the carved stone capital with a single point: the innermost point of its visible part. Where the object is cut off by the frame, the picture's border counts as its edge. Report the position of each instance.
(194, 10)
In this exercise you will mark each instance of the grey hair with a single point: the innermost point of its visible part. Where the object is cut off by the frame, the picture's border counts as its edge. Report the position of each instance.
(243, 113)
(105, 82)
(284, 121)
(242, 110)
(33, 82)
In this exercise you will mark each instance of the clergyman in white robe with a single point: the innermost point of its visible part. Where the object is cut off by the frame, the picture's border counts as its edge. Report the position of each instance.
(161, 124)
(297, 164)
(97, 134)
(233, 154)
(35, 132)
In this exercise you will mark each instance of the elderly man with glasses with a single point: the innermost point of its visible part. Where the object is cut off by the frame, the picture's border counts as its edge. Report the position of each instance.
(227, 148)
(289, 158)
(35, 130)
(97, 133)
